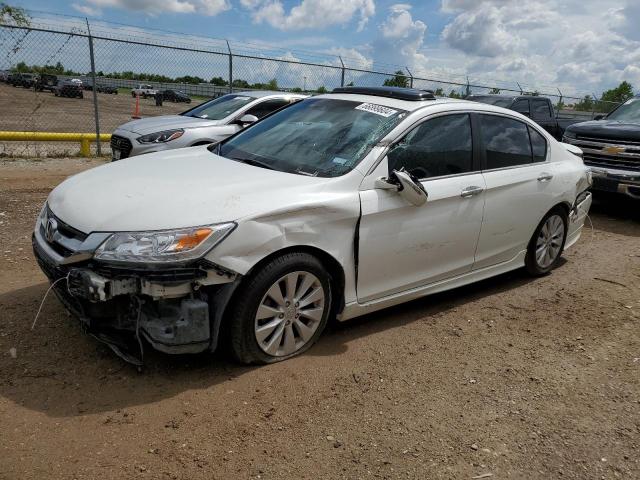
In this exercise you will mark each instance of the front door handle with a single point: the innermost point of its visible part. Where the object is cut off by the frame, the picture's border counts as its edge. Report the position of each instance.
(545, 177)
(471, 191)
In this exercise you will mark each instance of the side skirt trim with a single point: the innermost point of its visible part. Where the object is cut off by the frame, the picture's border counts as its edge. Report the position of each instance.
(356, 309)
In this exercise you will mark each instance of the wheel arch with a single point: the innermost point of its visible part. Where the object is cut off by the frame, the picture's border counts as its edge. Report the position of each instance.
(333, 266)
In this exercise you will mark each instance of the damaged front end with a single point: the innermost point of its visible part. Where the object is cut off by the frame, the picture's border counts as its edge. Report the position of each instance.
(175, 307)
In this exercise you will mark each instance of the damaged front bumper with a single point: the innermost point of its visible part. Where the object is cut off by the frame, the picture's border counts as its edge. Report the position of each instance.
(176, 309)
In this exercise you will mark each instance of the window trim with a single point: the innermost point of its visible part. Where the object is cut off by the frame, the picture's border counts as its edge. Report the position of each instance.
(483, 152)
(475, 159)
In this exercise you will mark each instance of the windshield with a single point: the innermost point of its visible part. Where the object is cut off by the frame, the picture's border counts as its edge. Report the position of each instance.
(629, 111)
(321, 136)
(497, 101)
(219, 108)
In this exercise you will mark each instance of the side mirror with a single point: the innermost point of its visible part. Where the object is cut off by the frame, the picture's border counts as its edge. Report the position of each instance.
(598, 117)
(248, 119)
(411, 189)
(407, 186)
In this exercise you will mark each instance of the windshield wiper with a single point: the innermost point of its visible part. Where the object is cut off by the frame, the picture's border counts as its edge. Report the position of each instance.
(255, 163)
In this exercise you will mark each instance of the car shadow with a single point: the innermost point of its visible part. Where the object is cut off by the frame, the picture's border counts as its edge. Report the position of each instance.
(615, 213)
(61, 372)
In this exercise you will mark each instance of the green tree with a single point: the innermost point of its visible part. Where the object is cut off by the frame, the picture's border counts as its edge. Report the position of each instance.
(439, 92)
(620, 94)
(454, 94)
(584, 105)
(399, 80)
(239, 83)
(322, 89)
(13, 16)
(219, 81)
(296, 90)
(272, 84)
(494, 91)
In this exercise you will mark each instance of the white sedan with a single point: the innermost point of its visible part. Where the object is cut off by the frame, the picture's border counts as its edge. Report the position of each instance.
(336, 206)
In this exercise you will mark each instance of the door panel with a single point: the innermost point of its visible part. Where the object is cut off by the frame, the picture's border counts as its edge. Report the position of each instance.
(402, 246)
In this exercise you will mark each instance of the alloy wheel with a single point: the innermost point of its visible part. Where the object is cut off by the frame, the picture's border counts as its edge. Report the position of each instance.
(549, 241)
(289, 313)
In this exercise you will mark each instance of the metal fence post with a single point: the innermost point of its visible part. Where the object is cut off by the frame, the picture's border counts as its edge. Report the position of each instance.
(230, 67)
(410, 77)
(342, 75)
(96, 112)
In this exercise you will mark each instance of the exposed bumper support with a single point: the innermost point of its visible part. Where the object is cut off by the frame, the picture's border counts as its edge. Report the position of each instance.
(176, 313)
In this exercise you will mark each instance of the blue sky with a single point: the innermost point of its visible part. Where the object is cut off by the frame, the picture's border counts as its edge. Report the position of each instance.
(582, 46)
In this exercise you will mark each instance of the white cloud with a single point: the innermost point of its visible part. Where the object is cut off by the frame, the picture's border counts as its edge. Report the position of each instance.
(87, 10)
(400, 38)
(575, 44)
(156, 7)
(310, 13)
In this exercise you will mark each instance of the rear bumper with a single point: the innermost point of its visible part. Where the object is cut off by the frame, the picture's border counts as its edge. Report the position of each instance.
(616, 181)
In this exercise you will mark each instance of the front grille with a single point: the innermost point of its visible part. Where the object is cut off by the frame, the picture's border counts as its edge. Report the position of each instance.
(603, 153)
(65, 240)
(122, 144)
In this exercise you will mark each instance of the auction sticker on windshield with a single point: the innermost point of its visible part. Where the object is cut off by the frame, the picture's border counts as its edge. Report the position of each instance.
(377, 109)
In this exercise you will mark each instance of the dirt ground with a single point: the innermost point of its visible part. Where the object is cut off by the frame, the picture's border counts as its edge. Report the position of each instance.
(26, 110)
(510, 378)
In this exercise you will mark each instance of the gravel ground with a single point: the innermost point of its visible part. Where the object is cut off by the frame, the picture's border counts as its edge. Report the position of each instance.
(512, 377)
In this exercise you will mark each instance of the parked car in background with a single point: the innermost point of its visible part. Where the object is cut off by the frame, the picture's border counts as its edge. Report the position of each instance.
(611, 146)
(87, 84)
(68, 88)
(539, 109)
(144, 91)
(341, 204)
(26, 80)
(4, 75)
(46, 82)
(175, 96)
(206, 123)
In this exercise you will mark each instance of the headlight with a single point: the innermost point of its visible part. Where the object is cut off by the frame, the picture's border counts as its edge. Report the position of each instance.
(162, 245)
(161, 137)
(568, 134)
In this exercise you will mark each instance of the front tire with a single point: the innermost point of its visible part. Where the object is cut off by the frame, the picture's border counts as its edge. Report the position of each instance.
(546, 246)
(281, 310)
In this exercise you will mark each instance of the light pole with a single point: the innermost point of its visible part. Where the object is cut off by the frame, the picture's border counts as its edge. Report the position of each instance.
(304, 88)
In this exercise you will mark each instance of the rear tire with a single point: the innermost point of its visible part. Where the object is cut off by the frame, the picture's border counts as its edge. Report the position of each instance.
(547, 243)
(281, 310)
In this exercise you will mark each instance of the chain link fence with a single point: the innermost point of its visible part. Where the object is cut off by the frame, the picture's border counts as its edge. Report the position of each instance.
(41, 63)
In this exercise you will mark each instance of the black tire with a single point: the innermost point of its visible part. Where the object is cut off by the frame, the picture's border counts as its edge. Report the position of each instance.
(242, 318)
(532, 266)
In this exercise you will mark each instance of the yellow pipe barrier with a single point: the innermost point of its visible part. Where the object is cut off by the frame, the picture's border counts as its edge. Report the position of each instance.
(85, 139)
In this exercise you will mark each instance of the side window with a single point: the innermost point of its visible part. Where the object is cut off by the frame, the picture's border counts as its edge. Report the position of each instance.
(521, 106)
(540, 108)
(437, 147)
(266, 107)
(506, 142)
(538, 145)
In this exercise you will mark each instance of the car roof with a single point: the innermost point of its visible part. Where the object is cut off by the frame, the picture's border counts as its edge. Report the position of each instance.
(268, 93)
(408, 105)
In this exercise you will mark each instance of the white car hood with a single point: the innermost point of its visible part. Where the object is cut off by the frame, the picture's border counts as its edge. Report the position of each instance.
(178, 188)
(166, 122)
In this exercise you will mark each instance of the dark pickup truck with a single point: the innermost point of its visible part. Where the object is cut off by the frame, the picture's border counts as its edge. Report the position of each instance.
(539, 109)
(611, 148)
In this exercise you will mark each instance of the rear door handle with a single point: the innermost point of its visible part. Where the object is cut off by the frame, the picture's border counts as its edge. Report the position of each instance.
(545, 177)
(471, 191)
